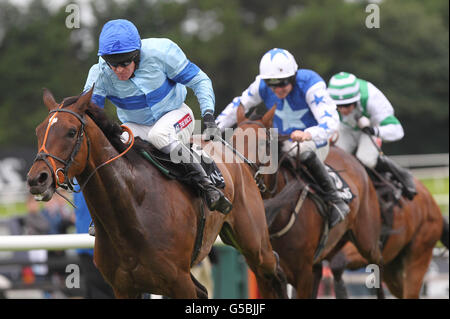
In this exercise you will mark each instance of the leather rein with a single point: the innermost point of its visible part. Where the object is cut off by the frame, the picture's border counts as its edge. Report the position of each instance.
(258, 177)
(60, 175)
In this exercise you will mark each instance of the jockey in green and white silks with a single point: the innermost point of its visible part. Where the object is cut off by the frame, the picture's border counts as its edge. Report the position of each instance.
(146, 80)
(366, 114)
(304, 111)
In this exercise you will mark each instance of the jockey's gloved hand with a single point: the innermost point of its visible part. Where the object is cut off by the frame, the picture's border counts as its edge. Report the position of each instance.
(369, 130)
(365, 126)
(211, 128)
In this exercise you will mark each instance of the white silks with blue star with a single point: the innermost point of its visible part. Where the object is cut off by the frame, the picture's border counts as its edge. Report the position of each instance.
(308, 107)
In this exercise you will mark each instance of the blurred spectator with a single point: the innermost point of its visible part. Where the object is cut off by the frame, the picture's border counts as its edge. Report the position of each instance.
(95, 286)
(60, 217)
(35, 223)
(59, 214)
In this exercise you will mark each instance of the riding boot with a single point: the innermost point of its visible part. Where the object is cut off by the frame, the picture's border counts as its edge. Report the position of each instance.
(338, 208)
(214, 197)
(384, 164)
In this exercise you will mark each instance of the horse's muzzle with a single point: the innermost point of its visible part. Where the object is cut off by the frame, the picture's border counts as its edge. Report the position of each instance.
(41, 184)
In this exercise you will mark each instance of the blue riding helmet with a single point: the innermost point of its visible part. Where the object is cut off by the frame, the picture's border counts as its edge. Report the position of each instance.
(118, 36)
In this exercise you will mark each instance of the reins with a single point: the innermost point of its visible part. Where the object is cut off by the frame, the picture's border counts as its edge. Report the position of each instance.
(63, 180)
(43, 154)
(130, 141)
(258, 177)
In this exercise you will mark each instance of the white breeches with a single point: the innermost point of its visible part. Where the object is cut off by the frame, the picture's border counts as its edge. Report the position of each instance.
(358, 143)
(172, 128)
(321, 152)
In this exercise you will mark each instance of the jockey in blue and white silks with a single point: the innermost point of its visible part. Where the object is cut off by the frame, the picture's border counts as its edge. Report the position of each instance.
(304, 111)
(146, 80)
(307, 107)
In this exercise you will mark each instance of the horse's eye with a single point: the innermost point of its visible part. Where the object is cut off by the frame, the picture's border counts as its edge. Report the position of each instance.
(72, 132)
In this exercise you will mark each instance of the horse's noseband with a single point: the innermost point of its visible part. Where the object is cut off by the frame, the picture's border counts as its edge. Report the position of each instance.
(48, 158)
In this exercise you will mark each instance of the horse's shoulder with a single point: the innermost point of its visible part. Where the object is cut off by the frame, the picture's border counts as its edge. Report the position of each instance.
(339, 159)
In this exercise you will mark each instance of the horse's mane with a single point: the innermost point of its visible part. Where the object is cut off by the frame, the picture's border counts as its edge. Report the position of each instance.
(112, 130)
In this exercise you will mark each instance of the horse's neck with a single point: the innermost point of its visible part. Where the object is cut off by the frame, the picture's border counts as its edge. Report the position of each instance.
(110, 191)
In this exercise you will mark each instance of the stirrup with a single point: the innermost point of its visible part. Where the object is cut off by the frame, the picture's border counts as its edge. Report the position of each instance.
(222, 205)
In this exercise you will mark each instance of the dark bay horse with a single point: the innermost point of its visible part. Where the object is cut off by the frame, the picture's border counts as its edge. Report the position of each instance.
(298, 245)
(417, 226)
(147, 224)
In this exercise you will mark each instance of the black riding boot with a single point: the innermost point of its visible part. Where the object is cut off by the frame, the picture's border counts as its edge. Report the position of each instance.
(338, 208)
(384, 164)
(215, 199)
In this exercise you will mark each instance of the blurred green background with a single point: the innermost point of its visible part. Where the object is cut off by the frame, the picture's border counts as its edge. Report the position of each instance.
(407, 57)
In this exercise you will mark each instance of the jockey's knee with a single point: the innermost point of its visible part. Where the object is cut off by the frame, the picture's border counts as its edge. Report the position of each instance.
(162, 141)
(370, 162)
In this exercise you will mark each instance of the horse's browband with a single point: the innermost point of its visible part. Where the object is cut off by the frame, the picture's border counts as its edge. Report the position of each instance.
(81, 119)
(43, 154)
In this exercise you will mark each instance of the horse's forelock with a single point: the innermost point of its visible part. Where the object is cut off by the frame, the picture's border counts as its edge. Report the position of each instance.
(70, 100)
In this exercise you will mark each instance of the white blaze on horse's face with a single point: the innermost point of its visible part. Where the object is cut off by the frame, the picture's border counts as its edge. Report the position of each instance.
(52, 121)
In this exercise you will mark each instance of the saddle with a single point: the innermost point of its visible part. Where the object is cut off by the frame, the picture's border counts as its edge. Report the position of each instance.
(301, 172)
(175, 171)
(308, 186)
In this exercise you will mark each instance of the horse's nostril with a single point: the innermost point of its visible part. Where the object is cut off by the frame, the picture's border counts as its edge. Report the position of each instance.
(42, 178)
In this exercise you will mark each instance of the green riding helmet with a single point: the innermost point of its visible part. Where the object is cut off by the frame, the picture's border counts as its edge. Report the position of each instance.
(343, 88)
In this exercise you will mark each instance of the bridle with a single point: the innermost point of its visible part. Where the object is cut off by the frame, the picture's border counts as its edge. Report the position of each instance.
(257, 168)
(63, 180)
(258, 177)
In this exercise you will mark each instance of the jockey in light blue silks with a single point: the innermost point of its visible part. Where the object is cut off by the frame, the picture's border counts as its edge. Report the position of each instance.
(146, 80)
(304, 110)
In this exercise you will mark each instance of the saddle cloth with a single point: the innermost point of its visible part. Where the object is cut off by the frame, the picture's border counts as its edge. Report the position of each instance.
(342, 187)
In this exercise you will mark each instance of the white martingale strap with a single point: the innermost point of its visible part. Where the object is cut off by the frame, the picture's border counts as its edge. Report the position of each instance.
(298, 206)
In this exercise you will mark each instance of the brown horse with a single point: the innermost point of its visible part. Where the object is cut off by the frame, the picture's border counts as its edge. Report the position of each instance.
(298, 245)
(417, 226)
(147, 224)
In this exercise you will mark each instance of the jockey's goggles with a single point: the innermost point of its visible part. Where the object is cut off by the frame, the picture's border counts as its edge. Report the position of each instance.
(279, 82)
(112, 61)
(344, 106)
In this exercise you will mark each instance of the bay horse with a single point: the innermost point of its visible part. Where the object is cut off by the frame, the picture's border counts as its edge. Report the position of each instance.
(146, 224)
(297, 246)
(417, 226)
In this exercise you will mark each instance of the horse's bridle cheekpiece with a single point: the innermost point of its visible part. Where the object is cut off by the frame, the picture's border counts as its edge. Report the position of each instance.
(48, 158)
(63, 180)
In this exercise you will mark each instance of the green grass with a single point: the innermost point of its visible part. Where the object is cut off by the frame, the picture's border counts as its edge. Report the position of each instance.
(439, 188)
(14, 209)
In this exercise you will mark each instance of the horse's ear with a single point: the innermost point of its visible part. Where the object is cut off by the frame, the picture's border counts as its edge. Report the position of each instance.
(84, 100)
(49, 100)
(240, 114)
(267, 119)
